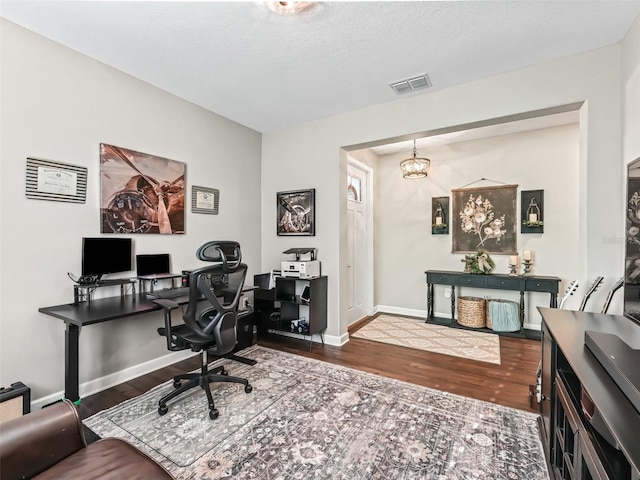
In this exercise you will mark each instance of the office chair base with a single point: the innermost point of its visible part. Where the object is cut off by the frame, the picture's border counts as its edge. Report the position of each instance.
(201, 379)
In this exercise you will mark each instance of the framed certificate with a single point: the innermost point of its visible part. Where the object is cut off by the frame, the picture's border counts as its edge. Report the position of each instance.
(60, 182)
(205, 200)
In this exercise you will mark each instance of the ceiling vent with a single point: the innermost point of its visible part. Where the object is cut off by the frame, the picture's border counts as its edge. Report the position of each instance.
(411, 84)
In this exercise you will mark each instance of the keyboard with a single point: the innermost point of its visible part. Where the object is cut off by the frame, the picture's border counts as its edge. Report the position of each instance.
(168, 293)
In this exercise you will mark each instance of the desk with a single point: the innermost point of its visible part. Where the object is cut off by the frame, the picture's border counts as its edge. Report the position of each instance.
(492, 281)
(99, 310)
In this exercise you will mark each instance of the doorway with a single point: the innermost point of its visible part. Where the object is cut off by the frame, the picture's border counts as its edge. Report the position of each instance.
(359, 241)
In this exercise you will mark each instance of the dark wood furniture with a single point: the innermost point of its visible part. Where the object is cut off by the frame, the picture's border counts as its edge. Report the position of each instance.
(518, 283)
(583, 411)
(78, 315)
(279, 308)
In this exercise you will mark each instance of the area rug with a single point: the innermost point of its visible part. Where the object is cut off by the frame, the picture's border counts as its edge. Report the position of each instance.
(414, 333)
(308, 419)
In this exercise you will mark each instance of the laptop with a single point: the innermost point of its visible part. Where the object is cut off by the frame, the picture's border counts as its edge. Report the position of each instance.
(154, 267)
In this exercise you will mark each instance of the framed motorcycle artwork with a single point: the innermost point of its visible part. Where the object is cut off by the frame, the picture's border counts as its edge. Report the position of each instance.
(296, 212)
(140, 193)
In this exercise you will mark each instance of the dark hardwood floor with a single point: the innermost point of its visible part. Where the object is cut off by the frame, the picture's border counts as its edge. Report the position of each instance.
(506, 384)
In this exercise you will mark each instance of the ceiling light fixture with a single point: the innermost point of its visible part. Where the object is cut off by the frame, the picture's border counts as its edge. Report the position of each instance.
(415, 167)
(289, 8)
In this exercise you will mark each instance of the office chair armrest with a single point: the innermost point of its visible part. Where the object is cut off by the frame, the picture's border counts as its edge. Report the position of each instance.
(167, 306)
(34, 442)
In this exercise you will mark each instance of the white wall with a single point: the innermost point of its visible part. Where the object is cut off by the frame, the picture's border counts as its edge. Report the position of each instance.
(631, 93)
(403, 215)
(592, 77)
(60, 105)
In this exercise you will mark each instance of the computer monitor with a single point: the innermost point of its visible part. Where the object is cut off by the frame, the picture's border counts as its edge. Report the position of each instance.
(154, 264)
(105, 255)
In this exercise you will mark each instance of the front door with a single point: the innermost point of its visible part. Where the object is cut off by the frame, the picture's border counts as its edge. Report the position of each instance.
(356, 242)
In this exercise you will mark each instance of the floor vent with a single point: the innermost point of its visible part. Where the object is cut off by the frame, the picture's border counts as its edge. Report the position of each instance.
(411, 84)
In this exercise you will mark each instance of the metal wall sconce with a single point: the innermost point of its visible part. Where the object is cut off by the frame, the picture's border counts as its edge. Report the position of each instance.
(532, 211)
(440, 215)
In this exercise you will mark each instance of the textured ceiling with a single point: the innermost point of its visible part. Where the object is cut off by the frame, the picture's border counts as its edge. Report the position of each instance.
(268, 71)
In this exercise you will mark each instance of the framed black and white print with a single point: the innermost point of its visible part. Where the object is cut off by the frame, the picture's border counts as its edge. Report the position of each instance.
(484, 218)
(296, 211)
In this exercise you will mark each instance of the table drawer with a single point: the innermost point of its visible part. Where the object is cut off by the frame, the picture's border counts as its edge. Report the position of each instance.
(550, 286)
(478, 281)
(503, 283)
(441, 278)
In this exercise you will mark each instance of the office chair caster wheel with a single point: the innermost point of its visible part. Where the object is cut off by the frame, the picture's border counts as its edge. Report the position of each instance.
(177, 384)
(248, 388)
(163, 409)
(213, 413)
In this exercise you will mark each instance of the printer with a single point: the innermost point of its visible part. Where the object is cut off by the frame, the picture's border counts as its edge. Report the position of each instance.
(304, 266)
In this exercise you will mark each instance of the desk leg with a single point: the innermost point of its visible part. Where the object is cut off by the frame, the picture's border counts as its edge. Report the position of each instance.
(71, 368)
(429, 301)
(553, 302)
(521, 310)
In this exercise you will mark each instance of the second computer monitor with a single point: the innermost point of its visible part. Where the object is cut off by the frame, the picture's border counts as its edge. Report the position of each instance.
(156, 264)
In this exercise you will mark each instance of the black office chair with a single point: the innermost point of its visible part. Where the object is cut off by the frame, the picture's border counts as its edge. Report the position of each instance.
(212, 329)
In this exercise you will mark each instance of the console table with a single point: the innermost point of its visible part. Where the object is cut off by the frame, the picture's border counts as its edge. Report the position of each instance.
(516, 283)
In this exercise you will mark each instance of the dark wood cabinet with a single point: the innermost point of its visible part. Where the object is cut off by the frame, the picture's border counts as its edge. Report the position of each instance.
(590, 428)
(295, 305)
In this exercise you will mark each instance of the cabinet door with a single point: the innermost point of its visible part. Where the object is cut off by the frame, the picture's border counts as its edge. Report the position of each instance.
(590, 467)
(566, 435)
(318, 305)
(546, 384)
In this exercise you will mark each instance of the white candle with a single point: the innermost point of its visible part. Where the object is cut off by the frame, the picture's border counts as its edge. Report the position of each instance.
(439, 221)
(526, 255)
(533, 217)
(513, 260)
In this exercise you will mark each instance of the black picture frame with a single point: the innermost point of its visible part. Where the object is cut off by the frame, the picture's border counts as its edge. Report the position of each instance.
(296, 213)
(475, 211)
(527, 224)
(440, 211)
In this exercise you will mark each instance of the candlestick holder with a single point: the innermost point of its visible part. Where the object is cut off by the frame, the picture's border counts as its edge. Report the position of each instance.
(513, 270)
(527, 266)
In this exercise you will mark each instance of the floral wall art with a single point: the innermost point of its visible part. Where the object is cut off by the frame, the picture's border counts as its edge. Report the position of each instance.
(484, 218)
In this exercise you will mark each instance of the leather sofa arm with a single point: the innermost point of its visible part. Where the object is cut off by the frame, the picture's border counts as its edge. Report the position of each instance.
(34, 442)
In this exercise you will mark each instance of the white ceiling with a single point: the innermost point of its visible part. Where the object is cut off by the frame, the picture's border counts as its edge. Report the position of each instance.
(268, 71)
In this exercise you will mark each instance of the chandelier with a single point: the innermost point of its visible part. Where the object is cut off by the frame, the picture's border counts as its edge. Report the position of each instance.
(289, 8)
(415, 167)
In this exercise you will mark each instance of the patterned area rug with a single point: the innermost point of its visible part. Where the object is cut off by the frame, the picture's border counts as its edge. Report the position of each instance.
(414, 333)
(307, 419)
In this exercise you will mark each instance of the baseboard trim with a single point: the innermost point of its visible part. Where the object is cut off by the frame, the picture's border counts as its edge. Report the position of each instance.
(332, 340)
(409, 312)
(358, 324)
(116, 378)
